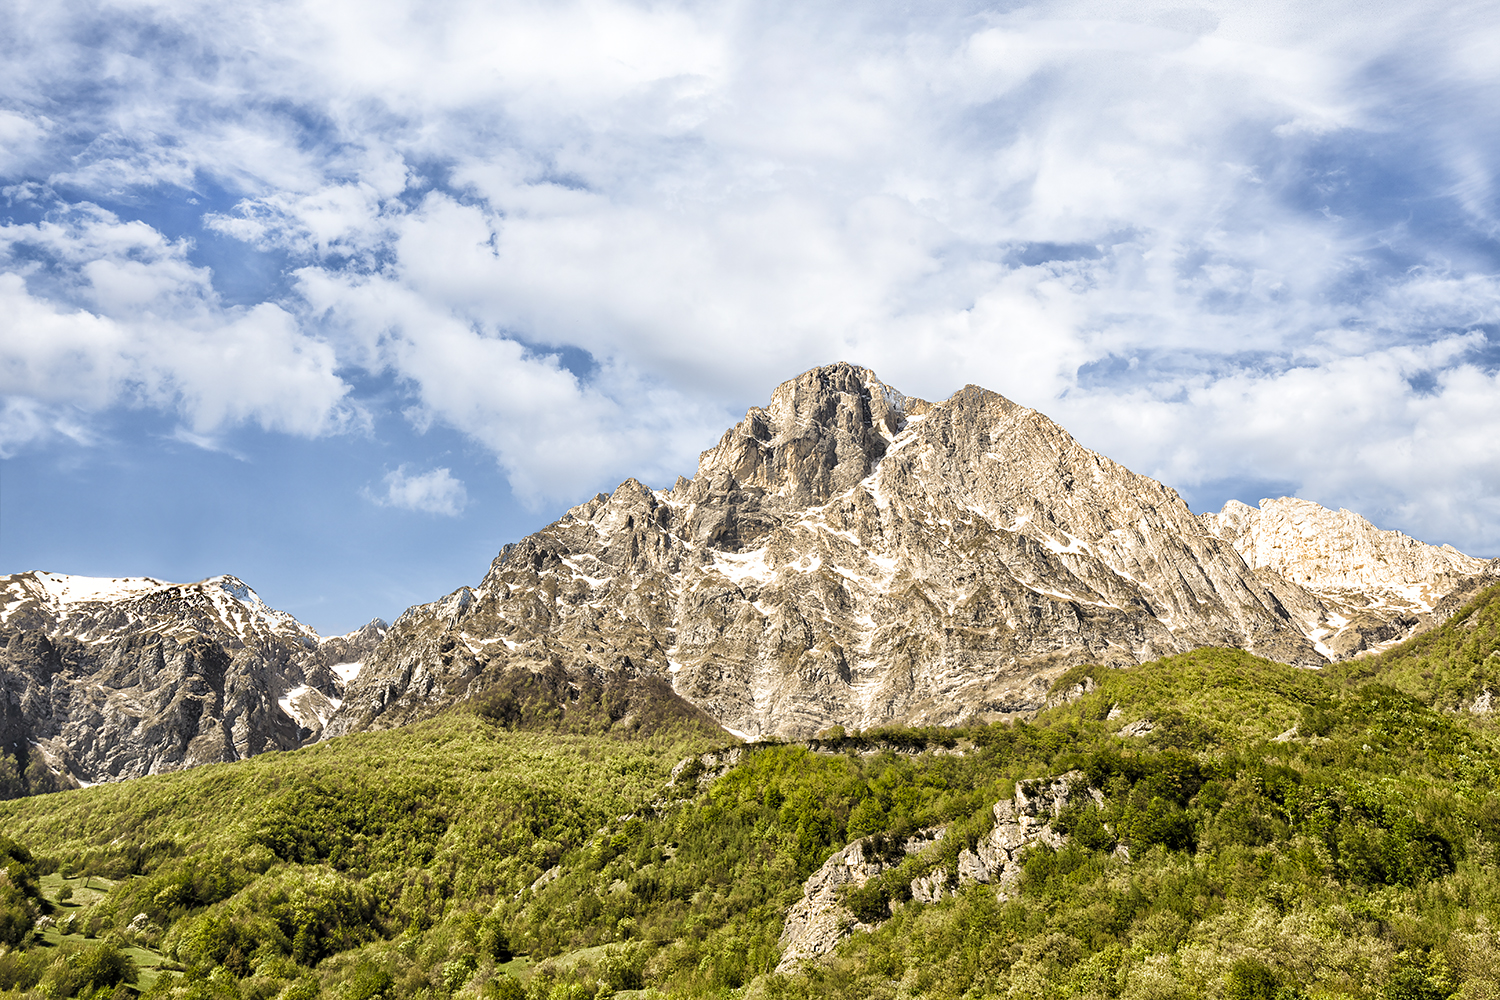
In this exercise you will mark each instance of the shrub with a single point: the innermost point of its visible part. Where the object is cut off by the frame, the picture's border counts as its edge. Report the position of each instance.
(1251, 979)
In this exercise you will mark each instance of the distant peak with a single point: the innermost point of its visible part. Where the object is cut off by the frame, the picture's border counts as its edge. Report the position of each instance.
(65, 588)
(236, 588)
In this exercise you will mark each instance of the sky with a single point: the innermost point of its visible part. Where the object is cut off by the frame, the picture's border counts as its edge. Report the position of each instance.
(341, 297)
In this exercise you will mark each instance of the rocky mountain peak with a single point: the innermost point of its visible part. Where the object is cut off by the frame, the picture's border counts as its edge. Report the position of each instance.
(821, 433)
(1325, 549)
(847, 554)
(100, 609)
(1351, 586)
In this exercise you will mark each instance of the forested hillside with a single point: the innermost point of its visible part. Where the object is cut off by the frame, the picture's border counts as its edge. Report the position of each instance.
(1260, 830)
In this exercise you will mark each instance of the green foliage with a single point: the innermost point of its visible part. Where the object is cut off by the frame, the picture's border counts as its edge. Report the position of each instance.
(326, 819)
(555, 700)
(101, 966)
(1251, 979)
(504, 988)
(366, 982)
(458, 972)
(20, 899)
(99, 970)
(11, 784)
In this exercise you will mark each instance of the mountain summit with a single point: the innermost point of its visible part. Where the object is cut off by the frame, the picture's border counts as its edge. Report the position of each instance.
(848, 554)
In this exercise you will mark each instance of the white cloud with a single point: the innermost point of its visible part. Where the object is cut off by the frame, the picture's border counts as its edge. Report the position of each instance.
(434, 492)
(95, 312)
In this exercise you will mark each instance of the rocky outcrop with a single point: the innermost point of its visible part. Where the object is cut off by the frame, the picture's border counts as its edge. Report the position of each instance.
(1350, 586)
(850, 555)
(817, 922)
(105, 679)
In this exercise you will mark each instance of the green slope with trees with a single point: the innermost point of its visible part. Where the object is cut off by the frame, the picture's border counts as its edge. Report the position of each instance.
(1449, 666)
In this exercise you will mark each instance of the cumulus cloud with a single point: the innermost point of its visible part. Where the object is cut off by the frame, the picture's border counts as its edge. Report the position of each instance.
(1219, 241)
(434, 492)
(97, 311)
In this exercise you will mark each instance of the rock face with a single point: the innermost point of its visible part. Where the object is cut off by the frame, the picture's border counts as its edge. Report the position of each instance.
(818, 921)
(851, 555)
(105, 679)
(1370, 588)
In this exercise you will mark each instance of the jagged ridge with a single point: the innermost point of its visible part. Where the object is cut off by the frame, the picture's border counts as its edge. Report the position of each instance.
(103, 679)
(851, 555)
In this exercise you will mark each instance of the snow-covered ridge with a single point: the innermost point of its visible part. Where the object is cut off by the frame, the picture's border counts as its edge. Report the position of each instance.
(207, 663)
(62, 588)
(98, 608)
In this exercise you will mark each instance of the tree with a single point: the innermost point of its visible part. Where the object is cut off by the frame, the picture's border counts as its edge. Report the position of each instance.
(11, 785)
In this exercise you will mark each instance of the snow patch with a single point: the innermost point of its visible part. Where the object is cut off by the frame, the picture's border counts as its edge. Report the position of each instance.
(745, 567)
(346, 672)
(61, 588)
(305, 704)
(1076, 546)
(1074, 599)
(578, 572)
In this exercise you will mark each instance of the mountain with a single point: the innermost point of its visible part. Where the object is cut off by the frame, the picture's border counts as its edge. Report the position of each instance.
(844, 555)
(103, 679)
(850, 555)
(1371, 588)
(1454, 666)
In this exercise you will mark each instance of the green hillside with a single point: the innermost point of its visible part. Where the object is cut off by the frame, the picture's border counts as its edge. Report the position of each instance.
(1287, 834)
(1449, 666)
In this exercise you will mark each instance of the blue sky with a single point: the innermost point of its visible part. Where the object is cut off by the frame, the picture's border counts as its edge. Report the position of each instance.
(341, 297)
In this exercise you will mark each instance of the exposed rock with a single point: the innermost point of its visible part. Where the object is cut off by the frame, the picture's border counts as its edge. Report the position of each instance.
(845, 555)
(849, 555)
(704, 769)
(1025, 819)
(1370, 588)
(105, 679)
(817, 922)
(1071, 693)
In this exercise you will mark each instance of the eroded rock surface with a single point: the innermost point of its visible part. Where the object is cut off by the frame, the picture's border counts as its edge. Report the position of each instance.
(851, 555)
(105, 679)
(817, 922)
(1369, 589)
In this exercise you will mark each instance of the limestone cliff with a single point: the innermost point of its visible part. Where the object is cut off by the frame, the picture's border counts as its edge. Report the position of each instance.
(851, 555)
(818, 921)
(1370, 588)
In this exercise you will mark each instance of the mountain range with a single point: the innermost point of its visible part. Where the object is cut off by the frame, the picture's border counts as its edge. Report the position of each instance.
(105, 679)
(846, 555)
